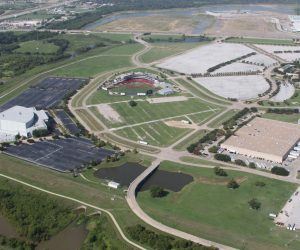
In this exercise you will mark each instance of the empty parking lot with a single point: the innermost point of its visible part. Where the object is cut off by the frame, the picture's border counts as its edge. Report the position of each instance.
(46, 94)
(63, 154)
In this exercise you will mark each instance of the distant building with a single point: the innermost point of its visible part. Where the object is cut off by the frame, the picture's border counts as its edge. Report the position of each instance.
(264, 139)
(22, 121)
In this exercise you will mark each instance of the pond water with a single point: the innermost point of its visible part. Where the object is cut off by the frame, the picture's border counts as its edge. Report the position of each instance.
(203, 23)
(71, 238)
(127, 172)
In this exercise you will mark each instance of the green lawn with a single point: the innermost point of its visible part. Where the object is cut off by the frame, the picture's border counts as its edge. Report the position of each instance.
(37, 47)
(224, 117)
(157, 134)
(145, 111)
(261, 41)
(292, 118)
(162, 50)
(207, 208)
(202, 117)
(195, 137)
(89, 120)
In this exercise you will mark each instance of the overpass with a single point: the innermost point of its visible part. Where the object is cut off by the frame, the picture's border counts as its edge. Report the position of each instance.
(134, 206)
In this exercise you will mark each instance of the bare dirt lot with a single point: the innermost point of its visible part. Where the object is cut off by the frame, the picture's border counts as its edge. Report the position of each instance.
(109, 113)
(261, 24)
(180, 124)
(167, 99)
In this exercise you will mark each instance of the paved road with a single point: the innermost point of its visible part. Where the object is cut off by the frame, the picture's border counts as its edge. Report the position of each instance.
(81, 202)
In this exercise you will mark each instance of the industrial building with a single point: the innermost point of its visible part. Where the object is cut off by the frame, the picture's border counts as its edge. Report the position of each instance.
(22, 121)
(264, 139)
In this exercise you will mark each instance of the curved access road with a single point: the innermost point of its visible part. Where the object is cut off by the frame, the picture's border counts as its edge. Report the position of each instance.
(131, 200)
(81, 202)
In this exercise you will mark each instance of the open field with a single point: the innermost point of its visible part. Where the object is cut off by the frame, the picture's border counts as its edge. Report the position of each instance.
(102, 96)
(37, 47)
(157, 134)
(292, 118)
(224, 117)
(196, 209)
(260, 41)
(157, 21)
(239, 87)
(195, 137)
(162, 50)
(201, 118)
(200, 59)
(145, 112)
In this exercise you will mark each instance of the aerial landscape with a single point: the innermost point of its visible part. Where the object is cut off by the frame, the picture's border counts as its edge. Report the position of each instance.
(149, 124)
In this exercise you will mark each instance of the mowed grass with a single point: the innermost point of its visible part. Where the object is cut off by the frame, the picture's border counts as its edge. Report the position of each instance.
(102, 96)
(193, 138)
(291, 118)
(37, 47)
(207, 208)
(202, 118)
(157, 134)
(162, 50)
(145, 111)
(90, 121)
(216, 123)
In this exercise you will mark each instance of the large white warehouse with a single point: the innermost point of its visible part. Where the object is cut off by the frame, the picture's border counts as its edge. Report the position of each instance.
(22, 121)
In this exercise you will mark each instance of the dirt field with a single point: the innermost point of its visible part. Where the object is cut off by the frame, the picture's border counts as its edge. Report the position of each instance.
(109, 113)
(151, 23)
(167, 99)
(261, 24)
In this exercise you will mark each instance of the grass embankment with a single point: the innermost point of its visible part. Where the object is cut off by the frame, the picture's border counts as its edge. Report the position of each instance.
(37, 47)
(193, 138)
(261, 41)
(291, 118)
(216, 123)
(207, 208)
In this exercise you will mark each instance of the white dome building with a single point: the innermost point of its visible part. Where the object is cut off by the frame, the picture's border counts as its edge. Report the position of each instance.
(22, 121)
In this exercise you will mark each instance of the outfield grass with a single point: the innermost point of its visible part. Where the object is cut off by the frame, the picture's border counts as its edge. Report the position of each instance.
(292, 118)
(102, 96)
(261, 41)
(157, 134)
(37, 47)
(145, 111)
(193, 138)
(207, 208)
(224, 117)
(162, 50)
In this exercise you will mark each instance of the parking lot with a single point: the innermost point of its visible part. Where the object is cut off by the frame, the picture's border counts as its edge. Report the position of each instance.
(62, 155)
(46, 94)
(67, 122)
(289, 216)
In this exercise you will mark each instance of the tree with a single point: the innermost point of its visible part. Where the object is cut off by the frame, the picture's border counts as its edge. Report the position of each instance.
(220, 171)
(40, 132)
(240, 162)
(252, 165)
(213, 149)
(132, 103)
(280, 171)
(254, 204)
(222, 157)
(157, 192)
(233, 184)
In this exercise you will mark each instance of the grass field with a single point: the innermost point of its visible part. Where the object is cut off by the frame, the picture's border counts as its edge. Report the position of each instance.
(145, 111)
(207, 208)
(224, 117)
(202, 117)
(37, 47)
(162, 50)
(292, 118)
(157, 134)
(260, 41)
(102, 96)
(89, 120)
(195, 137)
